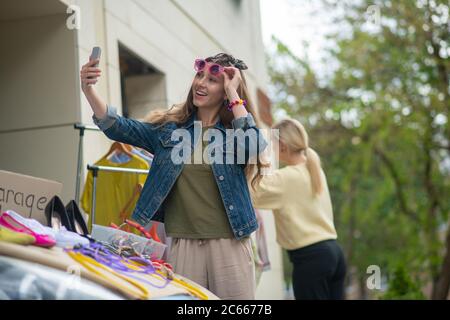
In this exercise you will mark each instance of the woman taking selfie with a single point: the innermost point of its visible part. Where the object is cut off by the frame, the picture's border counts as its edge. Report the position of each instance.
(299, 197)
(206, 207)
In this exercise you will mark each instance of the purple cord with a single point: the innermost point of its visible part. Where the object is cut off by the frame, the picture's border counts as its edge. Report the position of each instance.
(115, 262)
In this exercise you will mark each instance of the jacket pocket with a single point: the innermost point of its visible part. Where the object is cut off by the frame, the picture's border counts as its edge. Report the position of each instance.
(165, 137)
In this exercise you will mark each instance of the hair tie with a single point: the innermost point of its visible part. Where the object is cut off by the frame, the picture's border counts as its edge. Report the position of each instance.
(240, 64)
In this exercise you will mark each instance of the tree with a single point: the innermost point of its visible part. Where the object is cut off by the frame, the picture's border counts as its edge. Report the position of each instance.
(402, 287)
(380, 123)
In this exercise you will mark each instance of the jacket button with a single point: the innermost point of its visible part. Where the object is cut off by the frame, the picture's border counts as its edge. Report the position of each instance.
(221, 178)
(231, 207)
(241, 233)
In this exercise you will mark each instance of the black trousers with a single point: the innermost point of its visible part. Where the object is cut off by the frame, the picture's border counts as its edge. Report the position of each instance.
(319, 271)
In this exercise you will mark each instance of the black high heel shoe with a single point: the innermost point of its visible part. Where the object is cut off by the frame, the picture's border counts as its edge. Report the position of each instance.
(56, 214)
(76, 218)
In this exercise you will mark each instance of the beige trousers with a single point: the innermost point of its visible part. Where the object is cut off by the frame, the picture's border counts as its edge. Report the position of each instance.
(223, 266)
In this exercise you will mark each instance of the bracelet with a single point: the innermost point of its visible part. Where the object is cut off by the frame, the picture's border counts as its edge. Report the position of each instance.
(236, 102)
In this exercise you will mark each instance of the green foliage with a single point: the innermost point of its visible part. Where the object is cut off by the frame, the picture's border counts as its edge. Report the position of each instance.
(402, 287)
(381, 126)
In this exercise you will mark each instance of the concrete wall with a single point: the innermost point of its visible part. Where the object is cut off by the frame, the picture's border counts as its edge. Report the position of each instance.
(39, 99)
(271, 284)
(145, 92)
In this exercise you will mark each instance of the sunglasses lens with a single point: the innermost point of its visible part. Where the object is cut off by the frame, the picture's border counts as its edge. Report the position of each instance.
(199, 64)
(215, 69)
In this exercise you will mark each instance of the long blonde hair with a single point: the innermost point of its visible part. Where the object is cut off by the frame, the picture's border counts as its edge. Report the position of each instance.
(180, 113)
(294, 136)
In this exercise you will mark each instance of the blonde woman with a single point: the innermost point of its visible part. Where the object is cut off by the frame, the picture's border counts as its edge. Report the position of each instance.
(299, 197)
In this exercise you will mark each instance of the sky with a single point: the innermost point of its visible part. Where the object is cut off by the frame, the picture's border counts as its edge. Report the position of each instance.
(293, 22)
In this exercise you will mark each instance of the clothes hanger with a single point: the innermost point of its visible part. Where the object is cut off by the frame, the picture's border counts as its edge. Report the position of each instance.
(145, 152)
(120, 147)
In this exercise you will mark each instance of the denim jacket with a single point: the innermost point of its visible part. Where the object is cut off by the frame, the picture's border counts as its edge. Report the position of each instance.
(158, 140)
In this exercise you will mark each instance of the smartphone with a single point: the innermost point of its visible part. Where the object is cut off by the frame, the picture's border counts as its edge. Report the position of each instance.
(96, 52)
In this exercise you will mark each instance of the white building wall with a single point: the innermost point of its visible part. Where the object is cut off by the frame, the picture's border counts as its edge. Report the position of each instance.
(38, 98)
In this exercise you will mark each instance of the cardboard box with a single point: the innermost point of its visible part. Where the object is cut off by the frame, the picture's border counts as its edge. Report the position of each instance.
(26, 195)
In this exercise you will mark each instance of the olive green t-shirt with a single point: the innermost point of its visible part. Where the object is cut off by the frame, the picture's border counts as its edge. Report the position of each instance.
(194, 207)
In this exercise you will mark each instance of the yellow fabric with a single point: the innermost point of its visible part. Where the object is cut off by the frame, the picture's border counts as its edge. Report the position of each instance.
(142, 291)
(15, 237)
(106, 273)
(194, 290)
(114, 191)
(301, 219)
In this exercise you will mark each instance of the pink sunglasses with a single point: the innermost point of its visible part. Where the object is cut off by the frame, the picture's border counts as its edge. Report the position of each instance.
(214, 68)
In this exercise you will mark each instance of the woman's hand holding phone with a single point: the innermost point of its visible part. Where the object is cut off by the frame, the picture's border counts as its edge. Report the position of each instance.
(89, 75)
(90, 72)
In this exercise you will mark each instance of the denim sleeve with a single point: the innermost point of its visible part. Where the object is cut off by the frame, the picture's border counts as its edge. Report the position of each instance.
(244, 122)
(107, 121)
(129, 131)
(253, 141)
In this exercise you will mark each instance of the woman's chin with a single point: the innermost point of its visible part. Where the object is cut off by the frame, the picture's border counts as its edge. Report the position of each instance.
(200, 104)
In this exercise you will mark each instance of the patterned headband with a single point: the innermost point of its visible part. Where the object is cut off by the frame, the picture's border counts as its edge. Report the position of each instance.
(224, 58)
